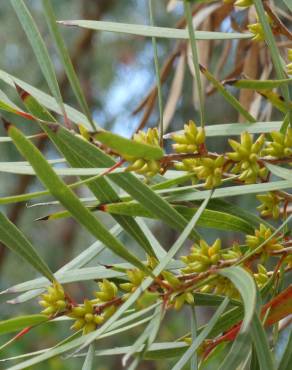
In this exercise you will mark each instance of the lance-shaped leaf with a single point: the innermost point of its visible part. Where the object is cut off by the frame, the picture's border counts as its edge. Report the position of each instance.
(124, 146)
(39, 49)
(65, 57)
(247, 289)
(46, 100)
(14, 239)
(151, 31)
(209, 218)
(260, 341)
(227, 95)
(257, 84)
(276, 100)
(69, 200)
(7, 106)
(101, 188)
(20, 322)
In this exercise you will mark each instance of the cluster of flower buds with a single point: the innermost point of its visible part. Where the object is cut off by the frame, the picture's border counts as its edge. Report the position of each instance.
(89, 315)
(270, 204)
(177, 300)
(281, 146)
(261, 237)
(189, 165)
(144, 166)
(232, 253)
(207, 169)
(85, 317)
(190, 141)
(210, 170)
(202, 256)
(289, 65)
(108, 291)
(261, 277)
(246, 154)
(221, 286)
(54, 301)
(135, 277)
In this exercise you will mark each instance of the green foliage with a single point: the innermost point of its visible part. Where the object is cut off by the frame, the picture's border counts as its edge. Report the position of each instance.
(182, 185)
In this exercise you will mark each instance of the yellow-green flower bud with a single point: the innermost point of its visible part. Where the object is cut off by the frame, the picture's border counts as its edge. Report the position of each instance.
(108, 291)
(281, 146)
(202, 256)
(259, 237)
(172, 280)
(270, 204)
(245, 155)
(144, 166)
(179, 300)
(210, 170)
(54, 301)
(261, 277)
(190, 140)
(85, 317)
(136, 277)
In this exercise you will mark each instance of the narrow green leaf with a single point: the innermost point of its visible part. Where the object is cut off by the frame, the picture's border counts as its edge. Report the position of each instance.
(157, 74)
(65, 57)
(209, 218)
(14, 239)
(227, 95)
(149, 31)
(230, 129)
(194, 334)
(39, 49)
(88, 363)
(246, 287)
(284, 173)
(195, 59)
(275, 54)
(66, 196)
(20, 322)
(128, 147)
(286, 360)
(46, 100)
(143, 339)
(202, 336)
(260, 341)
(232, 191)
(101, 188)
(257, 84)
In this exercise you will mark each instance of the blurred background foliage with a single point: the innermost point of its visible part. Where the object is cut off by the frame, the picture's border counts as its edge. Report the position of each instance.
(116, 72)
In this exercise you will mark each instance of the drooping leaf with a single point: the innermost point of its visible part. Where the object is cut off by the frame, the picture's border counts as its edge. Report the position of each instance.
(101, 188)
(66, 196)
